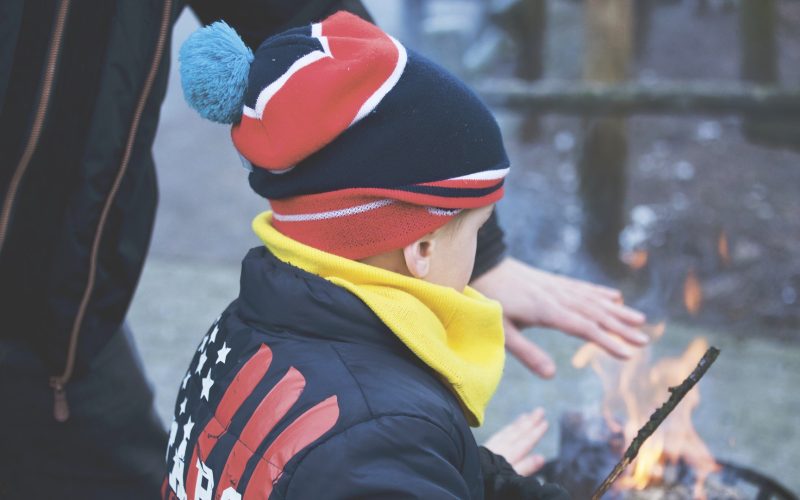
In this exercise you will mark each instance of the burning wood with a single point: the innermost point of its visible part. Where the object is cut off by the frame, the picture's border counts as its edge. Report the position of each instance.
(633, 390)
(677, 393)
(717, 489)
(588, 449)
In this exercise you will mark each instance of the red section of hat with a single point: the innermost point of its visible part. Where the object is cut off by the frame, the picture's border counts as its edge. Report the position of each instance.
(320, 101)
(365, 234)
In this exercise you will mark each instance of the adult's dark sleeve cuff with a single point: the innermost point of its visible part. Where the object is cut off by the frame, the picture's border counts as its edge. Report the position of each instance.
(352, 6)
(256, 20)
(491, 247)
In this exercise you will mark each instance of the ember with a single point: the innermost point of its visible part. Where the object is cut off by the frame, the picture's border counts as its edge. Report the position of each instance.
(636, 259)
(722, 248)
(692, 293)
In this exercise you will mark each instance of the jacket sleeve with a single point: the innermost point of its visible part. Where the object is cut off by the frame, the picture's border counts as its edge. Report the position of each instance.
(256, 20)
(388, 457)
(491, 246)
(501, 481)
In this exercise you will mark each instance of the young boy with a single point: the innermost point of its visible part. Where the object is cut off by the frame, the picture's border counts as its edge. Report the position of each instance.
(356, 356)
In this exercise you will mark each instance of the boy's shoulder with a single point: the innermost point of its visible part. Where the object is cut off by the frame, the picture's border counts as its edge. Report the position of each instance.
(368, 381)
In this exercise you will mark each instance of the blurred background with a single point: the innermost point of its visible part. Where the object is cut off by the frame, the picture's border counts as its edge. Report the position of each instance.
(655, 147)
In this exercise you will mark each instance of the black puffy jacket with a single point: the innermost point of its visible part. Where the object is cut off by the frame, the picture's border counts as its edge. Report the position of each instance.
(299, 391)
(81, 85)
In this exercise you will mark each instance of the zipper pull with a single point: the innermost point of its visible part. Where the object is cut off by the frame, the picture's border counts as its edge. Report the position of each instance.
(60, 405)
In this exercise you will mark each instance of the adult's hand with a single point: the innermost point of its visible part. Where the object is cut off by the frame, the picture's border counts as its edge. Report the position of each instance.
(531, 297)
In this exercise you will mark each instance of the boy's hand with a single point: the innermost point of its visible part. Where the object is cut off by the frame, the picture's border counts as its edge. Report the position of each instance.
(507, 465)
(531, 297)
(515, 442)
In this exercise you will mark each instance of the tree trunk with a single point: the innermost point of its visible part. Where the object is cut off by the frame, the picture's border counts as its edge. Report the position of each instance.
(525, 22)
(603, 156)
(413, 16)
(757, 39)
(643, 20)
(759, 63)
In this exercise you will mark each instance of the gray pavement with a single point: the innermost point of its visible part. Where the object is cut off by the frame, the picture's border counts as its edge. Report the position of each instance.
(750, 406)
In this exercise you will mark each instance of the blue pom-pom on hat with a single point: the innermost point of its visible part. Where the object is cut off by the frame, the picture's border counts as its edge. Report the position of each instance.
(214, 66)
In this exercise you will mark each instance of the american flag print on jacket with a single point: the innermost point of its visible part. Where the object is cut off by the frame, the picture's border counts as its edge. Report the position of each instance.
(193, 443)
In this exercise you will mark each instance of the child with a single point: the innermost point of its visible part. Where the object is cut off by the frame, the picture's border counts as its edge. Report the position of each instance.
(355, 356)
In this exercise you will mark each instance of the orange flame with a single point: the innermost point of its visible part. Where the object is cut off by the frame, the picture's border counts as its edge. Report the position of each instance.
(722, 248)
(632, 391)
(692, 293)
(636, 259)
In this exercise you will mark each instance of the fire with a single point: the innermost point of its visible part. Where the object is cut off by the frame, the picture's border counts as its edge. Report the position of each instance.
(692, 293)
(648, 463)
(632, 391)
(722, 248)
(636, 259)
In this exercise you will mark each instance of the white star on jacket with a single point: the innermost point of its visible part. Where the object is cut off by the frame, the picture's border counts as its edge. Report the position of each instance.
(202, 362)
(207, 383)
(222, 354)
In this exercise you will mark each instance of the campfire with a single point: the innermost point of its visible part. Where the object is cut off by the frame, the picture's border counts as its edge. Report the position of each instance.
(674, 463)
(632, 391)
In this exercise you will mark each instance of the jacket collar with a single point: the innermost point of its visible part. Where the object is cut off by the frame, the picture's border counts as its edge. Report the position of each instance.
(279, 296)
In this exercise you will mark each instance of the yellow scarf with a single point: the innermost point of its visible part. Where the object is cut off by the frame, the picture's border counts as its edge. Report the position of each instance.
(459, 335)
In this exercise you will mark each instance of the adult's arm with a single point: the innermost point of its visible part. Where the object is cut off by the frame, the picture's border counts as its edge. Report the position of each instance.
(491, 247)
(256, 20)
(532, 297)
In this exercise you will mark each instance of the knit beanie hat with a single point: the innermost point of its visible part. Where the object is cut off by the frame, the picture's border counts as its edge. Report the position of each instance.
(360, 145)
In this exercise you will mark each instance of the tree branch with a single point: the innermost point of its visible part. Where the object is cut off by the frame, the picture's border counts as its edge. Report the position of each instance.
(663, 97)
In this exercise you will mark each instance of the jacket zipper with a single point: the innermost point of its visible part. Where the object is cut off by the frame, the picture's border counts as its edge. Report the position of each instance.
(38, 121)
(60, 405)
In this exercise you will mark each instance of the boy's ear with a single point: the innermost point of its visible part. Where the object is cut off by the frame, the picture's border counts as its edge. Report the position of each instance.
(418, 256)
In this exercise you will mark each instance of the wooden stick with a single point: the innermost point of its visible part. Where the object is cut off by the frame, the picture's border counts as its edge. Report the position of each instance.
(676, 395)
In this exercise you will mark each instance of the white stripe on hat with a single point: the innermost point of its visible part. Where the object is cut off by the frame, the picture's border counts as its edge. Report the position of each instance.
(443, 211)
(375, 99)
(270, 90)
(333, 214)
(486, 175)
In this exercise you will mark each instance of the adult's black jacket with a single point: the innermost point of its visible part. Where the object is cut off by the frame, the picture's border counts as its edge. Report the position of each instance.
(81, 84)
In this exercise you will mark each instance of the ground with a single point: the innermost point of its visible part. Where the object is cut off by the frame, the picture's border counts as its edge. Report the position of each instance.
(690, 179)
